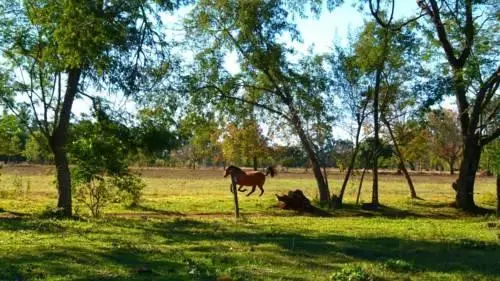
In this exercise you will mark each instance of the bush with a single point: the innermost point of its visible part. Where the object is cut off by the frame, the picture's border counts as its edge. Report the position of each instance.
(130, 188)
(99, 191)
(101, 173)
(352, 273)
(94, 195)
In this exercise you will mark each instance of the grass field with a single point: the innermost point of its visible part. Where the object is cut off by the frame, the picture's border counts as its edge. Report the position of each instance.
(184, 230)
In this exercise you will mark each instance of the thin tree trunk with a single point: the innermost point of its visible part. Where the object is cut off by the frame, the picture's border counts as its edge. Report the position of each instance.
(498, 195)
(59, 141)
(402, 161)
(375, 147)
(255, 163)
(451, 162)
(360, 185)
(349, 169)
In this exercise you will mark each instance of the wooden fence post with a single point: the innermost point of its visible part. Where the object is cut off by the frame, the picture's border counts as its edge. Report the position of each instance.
(235, 194)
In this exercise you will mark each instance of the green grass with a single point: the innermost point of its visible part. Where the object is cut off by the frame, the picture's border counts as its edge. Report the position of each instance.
(184, 230)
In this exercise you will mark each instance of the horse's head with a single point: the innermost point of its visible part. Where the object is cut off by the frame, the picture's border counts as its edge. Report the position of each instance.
(229, 170)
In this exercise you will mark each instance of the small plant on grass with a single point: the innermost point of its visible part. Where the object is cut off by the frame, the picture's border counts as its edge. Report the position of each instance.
(399, 265)
(352, 273)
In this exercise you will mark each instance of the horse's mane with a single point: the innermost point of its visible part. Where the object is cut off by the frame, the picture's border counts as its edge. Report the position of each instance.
(234, 168)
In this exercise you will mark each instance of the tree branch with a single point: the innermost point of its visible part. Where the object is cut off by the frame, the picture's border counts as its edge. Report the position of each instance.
(226, 96)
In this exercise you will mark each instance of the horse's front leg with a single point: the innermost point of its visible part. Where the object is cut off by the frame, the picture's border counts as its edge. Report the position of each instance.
(253, 190)
(242, 189)
(261, 187)
(231, 188)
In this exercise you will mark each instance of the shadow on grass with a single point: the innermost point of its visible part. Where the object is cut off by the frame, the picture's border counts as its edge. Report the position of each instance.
(143, 208)
(192, 249)
(438, 256)
(78, 263)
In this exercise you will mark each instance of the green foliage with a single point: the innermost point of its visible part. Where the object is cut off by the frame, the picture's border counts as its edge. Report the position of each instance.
(364, 158)
(242, 142)
(12, 135)
(101, 172)
(352, 273)
(201, 134)
(37, 149)
(130, 188)
(445, 135)
(490, 158)
(155, 135)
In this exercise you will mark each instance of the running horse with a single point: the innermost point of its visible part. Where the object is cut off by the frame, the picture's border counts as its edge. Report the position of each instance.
(251, 178)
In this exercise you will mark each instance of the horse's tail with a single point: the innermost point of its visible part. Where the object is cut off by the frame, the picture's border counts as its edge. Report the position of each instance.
(271, 170)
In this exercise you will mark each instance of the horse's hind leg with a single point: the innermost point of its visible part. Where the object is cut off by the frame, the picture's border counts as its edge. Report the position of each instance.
(253, 190)
(261, 187)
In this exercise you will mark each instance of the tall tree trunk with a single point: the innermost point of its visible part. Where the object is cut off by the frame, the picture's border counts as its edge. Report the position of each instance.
(59, 141)
(452, 168)
(324, 192)
(349, 169)
(498, 195)
(376, 126)
(255, 163)
(467, 175)
(402, 161)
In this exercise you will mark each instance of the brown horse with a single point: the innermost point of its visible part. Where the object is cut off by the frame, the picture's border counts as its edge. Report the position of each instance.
(252, 178)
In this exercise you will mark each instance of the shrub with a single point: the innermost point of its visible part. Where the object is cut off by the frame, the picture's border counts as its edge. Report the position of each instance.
(101, 173)
(130, 188)
(94, 194)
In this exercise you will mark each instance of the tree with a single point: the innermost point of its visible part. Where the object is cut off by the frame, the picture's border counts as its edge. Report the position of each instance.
(202, 134)
(244, 143)
(348, 81)
(155, 135)
(99, 149)
(37, 149)
(61, 49)
(11, 136)
(462, 31)
(491, 161)
(268, 78)
(446, 137)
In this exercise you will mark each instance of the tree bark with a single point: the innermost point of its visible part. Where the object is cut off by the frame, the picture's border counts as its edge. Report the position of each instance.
(349, 169)
(452, 168)
(402, 161)
(467, 175)
(498, 195)
(360, 185)
(376, 126)
(255, 163)
(59, 141)
(324, 193)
